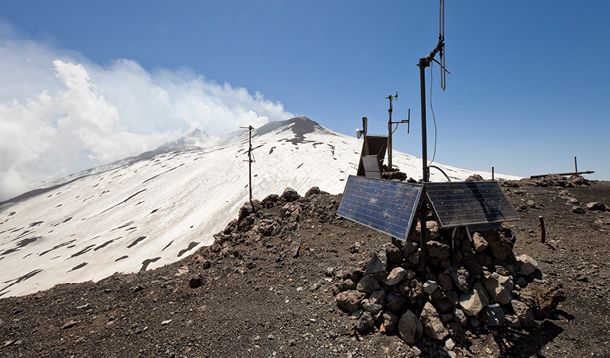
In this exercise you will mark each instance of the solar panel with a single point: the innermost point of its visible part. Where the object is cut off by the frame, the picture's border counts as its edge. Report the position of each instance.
(371, 166)
(469, 203)
(383, 205)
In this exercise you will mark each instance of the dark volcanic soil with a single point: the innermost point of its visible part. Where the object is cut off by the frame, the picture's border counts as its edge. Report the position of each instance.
(257, 300)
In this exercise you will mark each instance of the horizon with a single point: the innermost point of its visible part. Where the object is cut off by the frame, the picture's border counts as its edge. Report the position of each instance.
(153, 73)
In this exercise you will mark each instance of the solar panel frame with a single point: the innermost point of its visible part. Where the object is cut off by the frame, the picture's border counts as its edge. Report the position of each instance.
(469, 203)
(387, 206)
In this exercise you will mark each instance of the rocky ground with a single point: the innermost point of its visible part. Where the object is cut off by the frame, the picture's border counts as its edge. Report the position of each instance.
(267, 288)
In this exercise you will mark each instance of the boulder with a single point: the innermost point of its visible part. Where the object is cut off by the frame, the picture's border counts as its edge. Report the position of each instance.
(432, 324)
(270, 200)
(395, 276)
(367, 284)
(473, 302)
(438, 250)
(498, 287)
(312, 191)
(543, 296)
(500, 243)
(445, 281)
(524, 314)
(430, 286)
(409, 327)
(480, 244)
(526, 264)
(493, 316)
(460, 317)
(377, 265)
(475, 177)
(349, 301)
(389, 323)
(596, 206)
(461, 278)
(290, 194)
(395, 303)
(371, 306)
(245, 211)
(365, 323)
(578, 209)
(392, 254)
(408, 248)
(346, 285)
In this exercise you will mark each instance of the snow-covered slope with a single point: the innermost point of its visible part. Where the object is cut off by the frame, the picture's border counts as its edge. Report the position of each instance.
(154, 209)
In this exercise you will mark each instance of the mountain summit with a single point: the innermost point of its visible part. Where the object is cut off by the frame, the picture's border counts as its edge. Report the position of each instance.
(155, 209)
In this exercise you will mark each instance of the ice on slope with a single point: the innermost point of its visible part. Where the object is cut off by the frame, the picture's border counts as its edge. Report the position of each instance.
(155, 209)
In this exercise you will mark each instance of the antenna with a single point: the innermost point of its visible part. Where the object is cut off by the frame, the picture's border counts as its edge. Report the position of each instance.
(250, 161)
(392, 129)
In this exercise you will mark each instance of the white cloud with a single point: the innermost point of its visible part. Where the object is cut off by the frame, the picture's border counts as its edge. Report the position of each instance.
(61, 113)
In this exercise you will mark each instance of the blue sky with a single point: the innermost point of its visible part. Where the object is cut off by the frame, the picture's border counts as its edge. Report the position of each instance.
(529, 89)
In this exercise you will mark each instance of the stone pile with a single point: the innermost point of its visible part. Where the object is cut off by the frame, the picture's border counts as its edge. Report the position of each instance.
(480, 285)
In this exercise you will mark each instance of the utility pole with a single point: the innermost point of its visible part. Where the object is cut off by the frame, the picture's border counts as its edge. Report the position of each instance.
(250, 161)
(391, 128)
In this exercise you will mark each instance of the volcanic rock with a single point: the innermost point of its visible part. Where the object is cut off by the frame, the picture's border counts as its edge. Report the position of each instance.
(500, 243)
(377, 265)
(543, 296)
(432, 324)
(409, 327)
(524, 313)
(474, 301)
(460, 276)
(526, 264)
(596, 206)
(312, 191)
(480, 244)
(474, 177)
(365, 323)
(389, 324)
(395, 276)
(438, 250)
(367, 284)
(392, 254)
(499, 288)
(395, 303)
(493, 316)
(445, 281)
(349, 301)
(371, 306)
(430, 287)
(290, 194)
(578, 209)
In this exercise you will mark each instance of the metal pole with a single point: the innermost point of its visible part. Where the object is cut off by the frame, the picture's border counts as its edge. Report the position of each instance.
(575, 165)
(424, 159)
(390, 133)
(250, 163)
(423, 63)
(493, 177)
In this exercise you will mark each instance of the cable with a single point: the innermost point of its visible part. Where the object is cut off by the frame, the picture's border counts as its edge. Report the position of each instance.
(433, 116)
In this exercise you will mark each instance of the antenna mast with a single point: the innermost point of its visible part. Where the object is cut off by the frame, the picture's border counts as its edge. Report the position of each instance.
(391, 128)
(423, 63)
